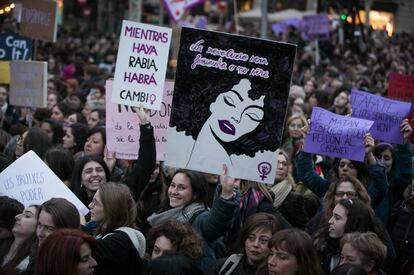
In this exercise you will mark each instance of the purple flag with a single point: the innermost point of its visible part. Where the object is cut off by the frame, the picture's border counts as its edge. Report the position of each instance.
(337, 136)
(387, 114)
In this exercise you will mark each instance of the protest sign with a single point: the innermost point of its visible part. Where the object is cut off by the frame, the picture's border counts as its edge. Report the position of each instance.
(176, 9)
(141, 65)
(28, 83)
(315, 27)
(30, 181)
(4, 72)
(401, 86)
(15, 47)
(387, 115)
(337, 136)
(39, 19)
(122, 126)
(229, 105)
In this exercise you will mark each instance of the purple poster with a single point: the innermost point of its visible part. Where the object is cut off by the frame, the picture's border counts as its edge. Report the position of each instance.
(337, 136)
(387, 114)
(315, 27)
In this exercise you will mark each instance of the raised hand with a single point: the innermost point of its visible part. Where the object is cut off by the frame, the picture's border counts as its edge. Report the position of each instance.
(369, 144)
(228, 184)
(109, 159)
(143, 114)
(406, 130)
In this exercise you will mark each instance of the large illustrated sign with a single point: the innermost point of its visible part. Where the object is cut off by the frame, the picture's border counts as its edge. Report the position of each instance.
(337, 136)
(141, 65)
(122, 125)
(28, 83)
(386, 113)
(30, 181)
(229, 105)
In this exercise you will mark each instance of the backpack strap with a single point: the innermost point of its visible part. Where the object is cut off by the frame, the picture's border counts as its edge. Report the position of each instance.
(230, 264)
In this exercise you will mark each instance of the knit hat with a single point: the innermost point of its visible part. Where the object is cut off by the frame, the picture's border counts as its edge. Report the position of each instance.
(9, 208)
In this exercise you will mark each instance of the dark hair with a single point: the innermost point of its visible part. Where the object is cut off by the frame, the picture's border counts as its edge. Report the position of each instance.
(65, 108)
(36, 140)
(119, 208)
(9, 208)
(381, 147)
(172, 264)
(253, 222)
(64, 213)
(98, 129)
(76, 180)
(197, 89)
(361, 167)
(60, 252)
(4, 139)
(182, 237)
(348, 269)
(199, 187)
(61, 162)
(57, 130)
(298, 243)
(80, 134)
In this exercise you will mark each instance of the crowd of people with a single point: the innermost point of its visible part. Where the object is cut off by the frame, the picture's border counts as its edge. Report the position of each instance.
(320, 216)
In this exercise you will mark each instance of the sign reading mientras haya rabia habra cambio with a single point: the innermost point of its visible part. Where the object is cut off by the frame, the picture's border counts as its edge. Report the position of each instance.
(141, 65)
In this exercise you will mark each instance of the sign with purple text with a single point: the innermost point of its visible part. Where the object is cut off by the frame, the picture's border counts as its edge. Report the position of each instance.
(122, 125)
(177, 8)
(30, 181)
(315, 27)
(229, 105)
(387, 115)
(141, 65)
(337, 136)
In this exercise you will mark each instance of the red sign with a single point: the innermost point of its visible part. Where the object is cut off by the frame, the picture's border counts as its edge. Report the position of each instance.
(401, 86)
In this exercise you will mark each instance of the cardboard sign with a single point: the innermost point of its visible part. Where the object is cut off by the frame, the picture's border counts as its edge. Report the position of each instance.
(122, 126)
(4, 72)
(15, 47)
(387, 115)
(30, 181)
(337, 136)
(39, 20)
(315, 27)
(401, 86)
(141, 65)
(177, 8)
(28, 83)
(229, 105)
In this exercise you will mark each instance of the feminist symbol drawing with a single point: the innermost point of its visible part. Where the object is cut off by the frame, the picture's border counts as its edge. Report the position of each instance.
(264, 169)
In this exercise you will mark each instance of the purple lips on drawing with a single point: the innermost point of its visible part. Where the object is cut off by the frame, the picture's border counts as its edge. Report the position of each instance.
(227, 127)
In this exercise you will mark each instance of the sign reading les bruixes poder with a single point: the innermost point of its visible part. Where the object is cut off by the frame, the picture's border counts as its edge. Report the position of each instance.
(229, 105)
(141, 65)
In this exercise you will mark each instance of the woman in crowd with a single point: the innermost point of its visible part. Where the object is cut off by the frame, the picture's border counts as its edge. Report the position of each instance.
(293, 136)
(120, 246)
(187, 203)
(66, 252)
(24, 233)
(9, 209)
(176, 237)
(54, 130)
(33, 139)
(76, 118)
(75, 137)
(341, 102)
(252, 246)
(61, 111)
(398, 166)
(291, 253)
(95, 142)
(61, 162)
(96, 117)
(173, 263)
(89, 174)
(364, 249)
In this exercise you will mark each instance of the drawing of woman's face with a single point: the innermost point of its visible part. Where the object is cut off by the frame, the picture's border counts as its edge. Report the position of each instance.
(234, 113)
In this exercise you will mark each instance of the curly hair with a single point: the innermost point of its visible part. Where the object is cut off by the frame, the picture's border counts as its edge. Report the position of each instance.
(196, 89)
(182, 236)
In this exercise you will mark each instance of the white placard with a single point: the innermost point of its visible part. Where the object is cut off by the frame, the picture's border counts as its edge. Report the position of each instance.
(141, 65)
(30, 181)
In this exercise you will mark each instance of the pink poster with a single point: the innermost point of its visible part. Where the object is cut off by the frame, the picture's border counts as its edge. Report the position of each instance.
(122, 125)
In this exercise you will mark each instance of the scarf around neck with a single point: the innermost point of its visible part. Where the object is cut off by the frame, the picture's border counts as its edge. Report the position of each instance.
(181, 214)
(281, 190)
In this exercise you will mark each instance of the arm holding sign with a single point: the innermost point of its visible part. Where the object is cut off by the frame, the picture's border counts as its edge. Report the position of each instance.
(145, 165)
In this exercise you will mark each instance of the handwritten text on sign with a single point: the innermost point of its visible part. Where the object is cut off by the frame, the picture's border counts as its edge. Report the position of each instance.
(30, 181)
(141, 65)
(123, 130)
(387, 114)
(337, 136)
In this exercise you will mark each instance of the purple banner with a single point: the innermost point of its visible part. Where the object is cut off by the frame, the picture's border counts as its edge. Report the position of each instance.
(315, 27)
(337, 136)
(387, 114)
